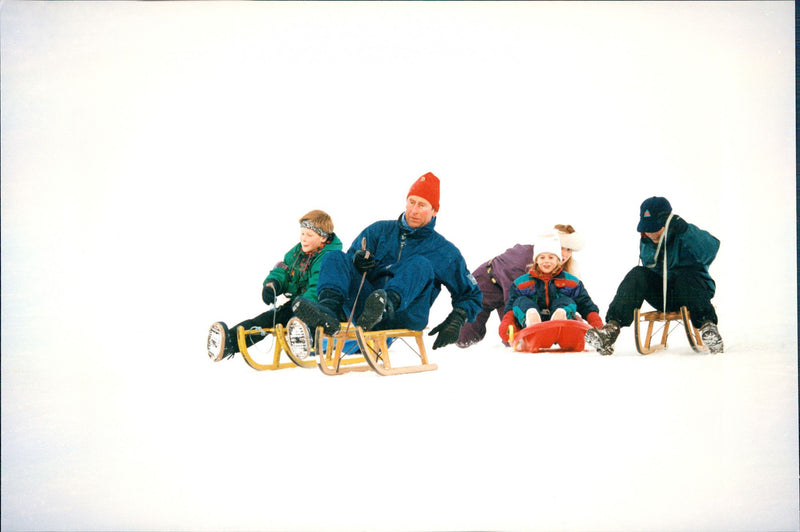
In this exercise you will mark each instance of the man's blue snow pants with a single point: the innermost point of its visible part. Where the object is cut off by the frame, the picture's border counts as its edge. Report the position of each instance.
(412, 279)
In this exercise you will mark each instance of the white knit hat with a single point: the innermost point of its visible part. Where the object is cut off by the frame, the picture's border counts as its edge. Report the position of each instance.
(547, 243)
(569, 237)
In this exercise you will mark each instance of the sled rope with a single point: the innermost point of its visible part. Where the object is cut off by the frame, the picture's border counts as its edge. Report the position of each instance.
(358, 293)
(260, 330)
(661, 328)
(663, 242)
(411, 347)
(664, 283)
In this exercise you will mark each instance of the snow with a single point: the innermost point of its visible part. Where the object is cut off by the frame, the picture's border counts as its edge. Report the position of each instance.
(157, 157)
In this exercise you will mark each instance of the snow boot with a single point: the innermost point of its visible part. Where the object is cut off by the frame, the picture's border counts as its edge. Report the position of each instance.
(603, 339)
(532, 317)
(326, 313)
(221, 343)
(379, 304)
(711, 337)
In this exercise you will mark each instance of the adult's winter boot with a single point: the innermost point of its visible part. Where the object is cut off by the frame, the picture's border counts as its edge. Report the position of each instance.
(711, 337)
(379, 304)
(603, 339)
(327, 313)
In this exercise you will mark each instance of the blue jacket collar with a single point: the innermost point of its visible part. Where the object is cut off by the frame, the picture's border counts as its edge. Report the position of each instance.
(425, 230)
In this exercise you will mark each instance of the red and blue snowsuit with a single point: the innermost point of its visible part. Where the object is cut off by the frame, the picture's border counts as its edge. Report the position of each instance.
(547, 293)
(414, 263)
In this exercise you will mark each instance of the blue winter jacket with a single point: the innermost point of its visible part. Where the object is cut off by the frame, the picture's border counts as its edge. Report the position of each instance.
(687, 247)
(392, 241)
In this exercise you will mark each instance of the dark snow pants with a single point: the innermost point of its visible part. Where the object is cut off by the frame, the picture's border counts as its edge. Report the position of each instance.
(265, 320)
(687, 288)
(412, 279)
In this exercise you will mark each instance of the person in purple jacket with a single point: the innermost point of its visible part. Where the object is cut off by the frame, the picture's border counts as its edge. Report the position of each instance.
(496, 276)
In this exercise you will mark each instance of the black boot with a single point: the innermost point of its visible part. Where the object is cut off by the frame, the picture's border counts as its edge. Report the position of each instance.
(603, 339)
(221, 342)
(326, 313)
(333, 302)
(379, 305)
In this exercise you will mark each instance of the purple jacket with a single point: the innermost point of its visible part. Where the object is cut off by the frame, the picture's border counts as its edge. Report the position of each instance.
(508, 266)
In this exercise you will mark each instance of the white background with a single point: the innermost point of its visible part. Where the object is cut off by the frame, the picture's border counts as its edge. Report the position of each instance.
(157, 156)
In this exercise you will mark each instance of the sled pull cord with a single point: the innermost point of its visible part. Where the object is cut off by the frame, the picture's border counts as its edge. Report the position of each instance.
(355, 301)
(274, 305)
(663, 240)
(363, 276)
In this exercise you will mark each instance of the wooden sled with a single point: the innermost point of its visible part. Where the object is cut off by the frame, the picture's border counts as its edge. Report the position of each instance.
(568, 334)
(280, 347)
(294, 341)
(644, 342)
(374, 351)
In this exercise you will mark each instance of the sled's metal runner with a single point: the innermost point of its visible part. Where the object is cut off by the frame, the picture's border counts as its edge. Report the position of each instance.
(644, 342)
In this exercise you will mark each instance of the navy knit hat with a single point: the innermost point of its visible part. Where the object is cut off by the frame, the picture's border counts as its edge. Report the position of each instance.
(653, 214)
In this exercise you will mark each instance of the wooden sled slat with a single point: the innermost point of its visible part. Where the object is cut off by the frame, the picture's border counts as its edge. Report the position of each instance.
(375, 348)
(644, 342)
(374, 356)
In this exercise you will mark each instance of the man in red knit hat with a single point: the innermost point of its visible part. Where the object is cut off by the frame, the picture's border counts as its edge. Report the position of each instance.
(403, 264)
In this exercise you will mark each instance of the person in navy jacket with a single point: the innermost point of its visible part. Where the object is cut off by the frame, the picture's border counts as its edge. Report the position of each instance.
(403, 264)
(675, 256)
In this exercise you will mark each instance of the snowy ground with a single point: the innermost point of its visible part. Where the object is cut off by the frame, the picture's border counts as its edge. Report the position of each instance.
(156, 158)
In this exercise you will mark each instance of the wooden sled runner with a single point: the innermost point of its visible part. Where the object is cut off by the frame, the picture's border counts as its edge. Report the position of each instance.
(644, 342)
(568, 334)
(280, 347)
(374, 351)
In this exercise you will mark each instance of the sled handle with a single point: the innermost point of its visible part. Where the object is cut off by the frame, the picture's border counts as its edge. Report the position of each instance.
(511, 334)
(361, 284)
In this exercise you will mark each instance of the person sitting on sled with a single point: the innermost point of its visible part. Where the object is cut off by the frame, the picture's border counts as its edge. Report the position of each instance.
(546, 292)
(496, 276)
(400, 270)
(689, 251)
(297, 275)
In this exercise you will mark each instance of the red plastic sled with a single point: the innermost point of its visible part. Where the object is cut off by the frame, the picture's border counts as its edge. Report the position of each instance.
(568, 334)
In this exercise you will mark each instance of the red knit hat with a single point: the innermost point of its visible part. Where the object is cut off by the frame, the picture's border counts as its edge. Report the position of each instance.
(427, 188)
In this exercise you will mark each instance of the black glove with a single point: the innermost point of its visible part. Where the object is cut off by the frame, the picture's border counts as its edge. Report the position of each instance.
(268, 293)
(363, 261)
(448, 330)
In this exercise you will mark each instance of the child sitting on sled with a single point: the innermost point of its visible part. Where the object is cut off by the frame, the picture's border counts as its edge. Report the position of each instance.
(496, 276)
(297, 275)
(546, 292)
